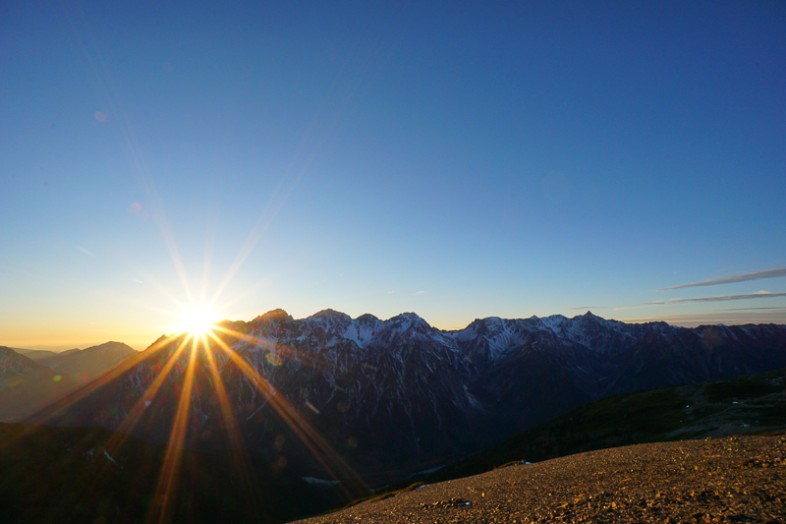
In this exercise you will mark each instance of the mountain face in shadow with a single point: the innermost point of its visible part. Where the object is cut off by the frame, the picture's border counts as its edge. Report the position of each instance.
(74, 475)
(747, 405)
(386, 399)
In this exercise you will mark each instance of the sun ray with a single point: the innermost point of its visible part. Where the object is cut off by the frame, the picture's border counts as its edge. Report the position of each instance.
(316, 445)
(238, 449)
(165, 489)
(159, 287)
(269, 212)
(283, 349)
(132, 418)
(249, 291)
(54, 410)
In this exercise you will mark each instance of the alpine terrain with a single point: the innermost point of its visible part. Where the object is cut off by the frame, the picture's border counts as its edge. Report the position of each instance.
(380, 400)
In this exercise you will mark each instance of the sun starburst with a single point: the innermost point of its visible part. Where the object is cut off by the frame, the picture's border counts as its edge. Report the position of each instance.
(196, 320)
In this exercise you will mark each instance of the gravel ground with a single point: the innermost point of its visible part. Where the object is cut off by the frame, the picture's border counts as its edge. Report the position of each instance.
(735, 479)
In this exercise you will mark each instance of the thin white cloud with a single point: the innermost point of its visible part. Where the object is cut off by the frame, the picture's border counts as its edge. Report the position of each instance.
(721, 317)
(723, 298)
(85, 251)
(742, 277)
(761, 308)
(585, 308)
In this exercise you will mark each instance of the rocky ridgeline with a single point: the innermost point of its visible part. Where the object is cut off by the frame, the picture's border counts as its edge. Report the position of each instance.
(394, 397)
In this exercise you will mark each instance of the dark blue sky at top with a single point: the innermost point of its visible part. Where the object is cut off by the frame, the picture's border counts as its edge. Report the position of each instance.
(459, 159)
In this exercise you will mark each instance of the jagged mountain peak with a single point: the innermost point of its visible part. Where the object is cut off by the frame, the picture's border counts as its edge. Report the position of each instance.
(330, 318)
(368, 318)
(409, 322)
(273, 316)
(484, 326)
(408, 317)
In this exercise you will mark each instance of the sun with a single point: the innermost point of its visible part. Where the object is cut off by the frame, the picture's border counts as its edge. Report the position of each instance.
(197, 320)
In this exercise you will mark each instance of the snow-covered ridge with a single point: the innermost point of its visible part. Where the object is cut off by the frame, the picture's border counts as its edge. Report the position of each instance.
(497, 336)
(401, 384)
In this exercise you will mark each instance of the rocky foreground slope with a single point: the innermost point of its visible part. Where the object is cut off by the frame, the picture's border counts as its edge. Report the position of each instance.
(735, 479)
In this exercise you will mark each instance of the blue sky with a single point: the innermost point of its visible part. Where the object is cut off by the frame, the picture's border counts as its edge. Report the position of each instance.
(456, 159)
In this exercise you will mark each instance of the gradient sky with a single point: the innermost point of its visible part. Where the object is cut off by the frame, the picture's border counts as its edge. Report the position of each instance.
(456, 159)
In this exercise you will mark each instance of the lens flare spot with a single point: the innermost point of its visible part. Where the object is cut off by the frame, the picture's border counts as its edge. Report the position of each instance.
(274, 359)
(57, 378)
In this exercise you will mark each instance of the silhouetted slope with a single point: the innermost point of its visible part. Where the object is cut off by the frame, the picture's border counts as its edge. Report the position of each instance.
(74, 475)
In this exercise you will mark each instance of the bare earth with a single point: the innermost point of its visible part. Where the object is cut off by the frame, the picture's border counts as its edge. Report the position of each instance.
(735, 479)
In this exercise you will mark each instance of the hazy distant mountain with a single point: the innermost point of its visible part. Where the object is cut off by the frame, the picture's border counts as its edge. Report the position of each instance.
(15, 367)
(26, 386)
(398, 396)
(83, 365)
(34, 379)
(35, 354)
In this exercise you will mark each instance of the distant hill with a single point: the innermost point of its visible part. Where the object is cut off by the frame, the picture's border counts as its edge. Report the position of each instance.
(84, 365)
(26, 385)
(31, 379)
(35, 354)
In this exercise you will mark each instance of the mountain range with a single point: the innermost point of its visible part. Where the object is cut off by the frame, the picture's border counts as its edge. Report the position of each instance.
(367, 402)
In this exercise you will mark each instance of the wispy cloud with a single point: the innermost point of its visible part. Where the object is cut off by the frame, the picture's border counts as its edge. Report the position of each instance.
(774, 309)
(742, 277)
(85, 251)
(585, 308)
(722, 317)
(722, 298)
